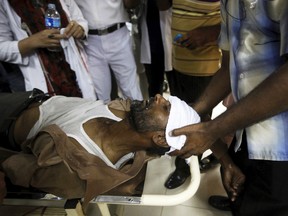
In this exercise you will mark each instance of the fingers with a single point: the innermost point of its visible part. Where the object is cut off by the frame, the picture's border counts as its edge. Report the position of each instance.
(74, 30)
(53, 34)
(180, 131)
(233, 182)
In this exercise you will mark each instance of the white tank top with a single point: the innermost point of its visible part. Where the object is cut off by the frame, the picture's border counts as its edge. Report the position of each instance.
(70, 113)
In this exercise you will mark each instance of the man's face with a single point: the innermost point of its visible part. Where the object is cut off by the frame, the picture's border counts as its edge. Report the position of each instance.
(150, 115)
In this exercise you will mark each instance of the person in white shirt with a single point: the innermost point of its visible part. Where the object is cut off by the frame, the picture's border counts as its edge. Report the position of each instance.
(24, 41)
(110, 47)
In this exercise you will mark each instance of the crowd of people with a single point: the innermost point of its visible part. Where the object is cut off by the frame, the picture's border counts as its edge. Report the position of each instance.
(207, 50)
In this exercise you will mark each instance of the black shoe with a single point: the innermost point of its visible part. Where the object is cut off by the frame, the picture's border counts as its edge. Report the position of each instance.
(208, 162)
(220, 202)
(176, 179)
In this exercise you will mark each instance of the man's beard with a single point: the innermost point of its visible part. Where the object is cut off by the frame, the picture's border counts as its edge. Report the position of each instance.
(140, 118)
(139, 106)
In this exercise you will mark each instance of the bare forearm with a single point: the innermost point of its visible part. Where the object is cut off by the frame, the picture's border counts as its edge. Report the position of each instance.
(26, 46)
(219, 149)
(217, 90)
(266, 100)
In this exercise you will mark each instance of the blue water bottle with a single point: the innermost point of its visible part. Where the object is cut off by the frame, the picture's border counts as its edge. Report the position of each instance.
(52, 17)
(52, 21)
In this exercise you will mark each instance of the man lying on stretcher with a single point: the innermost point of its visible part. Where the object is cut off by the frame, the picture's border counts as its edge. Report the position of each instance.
(74, 147)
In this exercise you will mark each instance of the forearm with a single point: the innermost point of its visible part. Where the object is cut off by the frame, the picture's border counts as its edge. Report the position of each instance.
(266, 100)
(164, 4)
(130, 4)
(225, 160)
(219, 149)
(26, 46)
(217, 90)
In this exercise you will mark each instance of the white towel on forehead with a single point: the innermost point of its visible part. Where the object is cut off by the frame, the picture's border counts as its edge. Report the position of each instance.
(181, 114)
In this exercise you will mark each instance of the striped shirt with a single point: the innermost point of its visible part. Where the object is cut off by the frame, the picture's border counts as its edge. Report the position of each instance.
(186, 16)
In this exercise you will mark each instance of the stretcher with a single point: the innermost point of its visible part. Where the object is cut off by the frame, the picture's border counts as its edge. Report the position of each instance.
(153, 194)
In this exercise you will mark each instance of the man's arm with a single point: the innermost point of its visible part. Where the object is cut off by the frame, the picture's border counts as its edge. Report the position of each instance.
(255, 107)
(200, 37)
(247, 111)
(164, 4)
(217, 90)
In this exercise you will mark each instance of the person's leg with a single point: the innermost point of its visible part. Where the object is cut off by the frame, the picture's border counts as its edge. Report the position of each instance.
(179, 176)
(98, 67)
(172, 82)
(155, 76)
(192, 86)
(122, 63)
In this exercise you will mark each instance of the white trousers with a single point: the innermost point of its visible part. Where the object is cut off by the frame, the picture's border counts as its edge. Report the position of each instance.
(113, 51)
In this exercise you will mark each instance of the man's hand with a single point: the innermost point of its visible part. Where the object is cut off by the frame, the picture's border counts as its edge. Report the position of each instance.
(74, 30)
(199, 37)
(232, 178)
(198, 139)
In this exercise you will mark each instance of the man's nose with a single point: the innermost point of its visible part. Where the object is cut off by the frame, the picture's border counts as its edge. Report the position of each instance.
(158, 98)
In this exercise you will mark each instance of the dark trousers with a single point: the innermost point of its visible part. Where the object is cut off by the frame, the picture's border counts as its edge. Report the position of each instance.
(266, 187)
(189, 88)
(155, 75)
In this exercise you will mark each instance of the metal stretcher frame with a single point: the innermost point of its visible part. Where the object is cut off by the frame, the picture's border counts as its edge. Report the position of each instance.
(154, 199)
(104, 200)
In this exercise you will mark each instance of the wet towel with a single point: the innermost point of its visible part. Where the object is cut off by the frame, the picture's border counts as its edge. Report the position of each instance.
(181, 114)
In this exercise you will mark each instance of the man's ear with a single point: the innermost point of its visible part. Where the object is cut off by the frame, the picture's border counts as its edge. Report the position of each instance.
(159, 139)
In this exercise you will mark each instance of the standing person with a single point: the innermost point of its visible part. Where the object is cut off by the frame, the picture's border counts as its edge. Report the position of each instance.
(196, 57)
(110, 46)
(24, 40)
(156, 46)
(254, 42)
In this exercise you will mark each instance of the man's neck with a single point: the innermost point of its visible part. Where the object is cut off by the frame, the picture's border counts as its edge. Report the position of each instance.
(115, 139)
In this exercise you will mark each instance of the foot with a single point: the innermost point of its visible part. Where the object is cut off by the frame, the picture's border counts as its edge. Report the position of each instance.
(220, 202)
(207, 162)
(176, 179)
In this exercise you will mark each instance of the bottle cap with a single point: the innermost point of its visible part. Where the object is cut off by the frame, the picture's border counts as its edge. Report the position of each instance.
(51, 6)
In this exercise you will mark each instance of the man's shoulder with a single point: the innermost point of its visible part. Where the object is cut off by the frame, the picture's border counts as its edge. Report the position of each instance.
(120, 107)
(120, 104)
